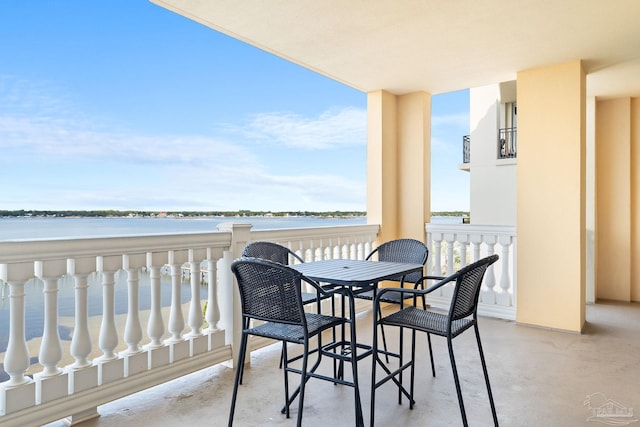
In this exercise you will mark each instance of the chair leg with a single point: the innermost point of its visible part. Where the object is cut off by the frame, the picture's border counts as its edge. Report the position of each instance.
(457, 381)
(486, 377)
(433, 367)
(239, 373)
(285, 360)
(413, 365)
(374, 364)
(284, 344)
(303, 381)
(384, 338)
(354, 368)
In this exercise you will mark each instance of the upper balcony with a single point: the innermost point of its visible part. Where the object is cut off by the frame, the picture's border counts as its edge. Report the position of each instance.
(466, 153)
(507, 143)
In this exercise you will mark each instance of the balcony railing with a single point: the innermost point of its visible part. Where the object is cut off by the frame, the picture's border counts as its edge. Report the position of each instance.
(111, 355)
(507, 143)
(449, 245)
(466, 149)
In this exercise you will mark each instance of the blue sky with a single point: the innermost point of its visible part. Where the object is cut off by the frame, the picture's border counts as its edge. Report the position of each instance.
(125, 105)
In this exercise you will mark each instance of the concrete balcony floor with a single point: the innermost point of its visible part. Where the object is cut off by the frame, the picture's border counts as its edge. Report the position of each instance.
(539, 378)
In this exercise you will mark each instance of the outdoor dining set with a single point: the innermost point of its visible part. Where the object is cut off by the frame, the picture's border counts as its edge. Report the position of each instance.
(282, 298)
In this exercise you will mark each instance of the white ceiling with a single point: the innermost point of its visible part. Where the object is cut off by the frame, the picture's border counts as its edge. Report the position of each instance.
(404, 46)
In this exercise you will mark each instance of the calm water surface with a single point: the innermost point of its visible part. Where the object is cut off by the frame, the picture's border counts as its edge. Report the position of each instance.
(55, 228)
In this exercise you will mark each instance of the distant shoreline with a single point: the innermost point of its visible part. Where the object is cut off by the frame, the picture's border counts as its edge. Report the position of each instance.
(24, 213)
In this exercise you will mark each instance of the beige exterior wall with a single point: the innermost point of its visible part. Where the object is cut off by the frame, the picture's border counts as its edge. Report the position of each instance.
(398, 163)
(613, 183)
(551, 196)
(493, 181)
(618, 189)
(635, 199)
(381, 163)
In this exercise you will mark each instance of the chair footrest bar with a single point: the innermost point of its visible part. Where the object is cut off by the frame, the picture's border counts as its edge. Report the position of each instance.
(392, 374)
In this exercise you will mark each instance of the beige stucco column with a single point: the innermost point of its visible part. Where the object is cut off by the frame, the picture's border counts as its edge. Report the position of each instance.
(399, 164)
(551, 196)
(618, 201)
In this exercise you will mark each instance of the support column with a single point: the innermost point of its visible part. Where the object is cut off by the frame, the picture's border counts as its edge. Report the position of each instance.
(551, 196)
(399, 163)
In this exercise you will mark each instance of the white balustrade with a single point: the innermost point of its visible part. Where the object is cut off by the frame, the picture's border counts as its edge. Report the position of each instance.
(448, 252)
(80, 269)
(50, 348)
(108, 340)
(155, 326)
(112, 368)
(16, 359)
(176, 317)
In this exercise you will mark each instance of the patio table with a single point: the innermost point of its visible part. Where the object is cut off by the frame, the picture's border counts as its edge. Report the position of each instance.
(354, 273)
(357, 274)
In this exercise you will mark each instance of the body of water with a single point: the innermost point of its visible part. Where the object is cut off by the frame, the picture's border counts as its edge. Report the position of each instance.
(56, 228)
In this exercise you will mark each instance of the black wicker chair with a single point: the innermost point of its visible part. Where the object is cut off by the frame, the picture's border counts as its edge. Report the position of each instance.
(283, 255)
(462, 315)
(400, 250)
(271, 292)
(278, 253)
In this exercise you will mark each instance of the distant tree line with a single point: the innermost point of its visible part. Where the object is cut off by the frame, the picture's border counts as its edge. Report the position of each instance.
(130, 213)
(243, 212)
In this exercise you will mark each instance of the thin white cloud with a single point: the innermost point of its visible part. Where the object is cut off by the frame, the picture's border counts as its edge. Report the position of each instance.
(92, 165)
(331, 129)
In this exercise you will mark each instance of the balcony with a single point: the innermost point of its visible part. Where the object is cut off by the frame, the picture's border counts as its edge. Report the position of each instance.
(466, 149)
(507, 143)
(145, 366)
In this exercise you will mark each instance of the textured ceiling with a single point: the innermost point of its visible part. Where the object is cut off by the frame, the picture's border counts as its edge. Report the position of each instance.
(405, 46)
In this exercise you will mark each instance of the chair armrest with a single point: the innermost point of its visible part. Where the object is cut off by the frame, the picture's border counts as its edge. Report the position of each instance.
(418, 288)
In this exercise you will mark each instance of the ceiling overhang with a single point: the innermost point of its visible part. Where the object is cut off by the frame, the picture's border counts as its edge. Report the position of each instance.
(405, 46)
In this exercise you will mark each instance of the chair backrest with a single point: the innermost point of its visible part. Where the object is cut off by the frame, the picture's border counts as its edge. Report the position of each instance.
(467, 290)
(402, 250)
(271, 251)
(269, 290)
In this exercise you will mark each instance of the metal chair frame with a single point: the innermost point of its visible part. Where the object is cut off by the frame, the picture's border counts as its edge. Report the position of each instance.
(461, 316)
(271, 292)
(281, 254)
(398, 250)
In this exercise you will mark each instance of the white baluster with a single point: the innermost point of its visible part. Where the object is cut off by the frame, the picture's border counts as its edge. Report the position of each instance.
(108, 339)
(81, 340)
(176, 318)
(16, 359)
(463, 239)
(476, 240)
(450, 239)
(195, 307)
(133, 326)
(50, 348)
(504, 296)
(488, 293)
(437, 259)
(155, 327)
(213, 311)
